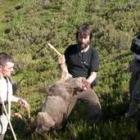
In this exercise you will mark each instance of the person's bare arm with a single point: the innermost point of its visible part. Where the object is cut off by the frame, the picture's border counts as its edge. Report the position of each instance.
(92, 77)
(65, 74)
(21, 101)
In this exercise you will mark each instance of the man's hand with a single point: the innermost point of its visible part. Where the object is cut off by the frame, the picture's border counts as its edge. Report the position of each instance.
(23, 103)
(86, 84)
(61, 59)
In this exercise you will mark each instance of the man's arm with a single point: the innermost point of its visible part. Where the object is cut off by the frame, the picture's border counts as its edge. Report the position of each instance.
(65, 74)
(21, 101)
(92, 77)
(94, 66)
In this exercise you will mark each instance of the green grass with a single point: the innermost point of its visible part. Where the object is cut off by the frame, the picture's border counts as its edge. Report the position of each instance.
(5, 6)
(34, 24)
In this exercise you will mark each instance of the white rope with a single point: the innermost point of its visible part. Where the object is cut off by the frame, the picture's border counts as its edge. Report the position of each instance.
(10, 124)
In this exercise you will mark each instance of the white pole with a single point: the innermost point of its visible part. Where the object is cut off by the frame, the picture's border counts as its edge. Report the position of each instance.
(9, 120)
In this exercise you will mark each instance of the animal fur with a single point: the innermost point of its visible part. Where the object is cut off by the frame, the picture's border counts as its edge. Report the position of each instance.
(56, 104)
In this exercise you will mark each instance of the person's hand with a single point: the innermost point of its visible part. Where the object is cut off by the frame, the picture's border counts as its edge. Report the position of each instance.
(61, 59)
(23, 103)
(86, 84)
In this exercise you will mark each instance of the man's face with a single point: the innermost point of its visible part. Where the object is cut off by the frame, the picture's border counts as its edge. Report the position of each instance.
(83, 41)
(7, 69)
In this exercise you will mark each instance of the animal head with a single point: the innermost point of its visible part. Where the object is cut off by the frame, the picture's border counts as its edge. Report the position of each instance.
(75, 84)
(44, 123)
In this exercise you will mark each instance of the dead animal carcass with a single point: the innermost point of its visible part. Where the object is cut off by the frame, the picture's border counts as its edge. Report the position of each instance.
(57, 104)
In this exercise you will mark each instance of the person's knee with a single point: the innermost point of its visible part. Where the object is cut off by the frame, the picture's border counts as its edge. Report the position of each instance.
(95, 113)
(98, 112)
(135, 95)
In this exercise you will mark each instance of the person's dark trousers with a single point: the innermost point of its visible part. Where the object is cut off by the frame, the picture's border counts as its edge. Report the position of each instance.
(91, 101)
(132, 83)
(134, 94)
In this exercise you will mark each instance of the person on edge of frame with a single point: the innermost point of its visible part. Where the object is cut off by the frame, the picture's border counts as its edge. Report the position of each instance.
(6, 91)
(134, 83)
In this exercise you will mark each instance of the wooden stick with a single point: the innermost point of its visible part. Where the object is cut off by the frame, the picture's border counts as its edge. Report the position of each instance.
(28, 112)
(54, 49)
(65, 73)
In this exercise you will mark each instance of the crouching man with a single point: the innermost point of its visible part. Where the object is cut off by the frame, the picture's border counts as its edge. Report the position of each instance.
(82, 60)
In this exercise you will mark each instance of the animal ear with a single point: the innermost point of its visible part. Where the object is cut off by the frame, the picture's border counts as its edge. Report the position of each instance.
(70, 90)
(78, 89)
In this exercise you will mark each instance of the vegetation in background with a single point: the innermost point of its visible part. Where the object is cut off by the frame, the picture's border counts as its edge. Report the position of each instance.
(25, 28)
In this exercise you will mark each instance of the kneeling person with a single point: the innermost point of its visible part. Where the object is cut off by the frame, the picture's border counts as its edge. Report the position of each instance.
(81, 60)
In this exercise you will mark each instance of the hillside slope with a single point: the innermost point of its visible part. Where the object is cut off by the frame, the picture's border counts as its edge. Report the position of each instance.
(27, 25)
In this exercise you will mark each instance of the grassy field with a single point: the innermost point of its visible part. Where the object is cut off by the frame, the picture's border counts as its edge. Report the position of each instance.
(25, 28)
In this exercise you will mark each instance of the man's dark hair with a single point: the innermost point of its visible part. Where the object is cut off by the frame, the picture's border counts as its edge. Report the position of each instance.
(135, 46)
(4, 57)
(84, 30)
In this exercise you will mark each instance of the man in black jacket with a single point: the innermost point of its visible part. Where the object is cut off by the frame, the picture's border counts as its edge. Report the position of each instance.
(81, 60)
